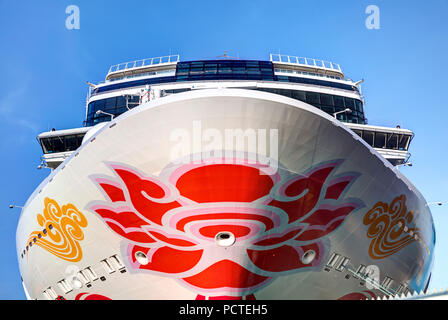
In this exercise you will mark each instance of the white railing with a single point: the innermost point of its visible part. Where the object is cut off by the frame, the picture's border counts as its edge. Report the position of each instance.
(310, 62)
(144, 62)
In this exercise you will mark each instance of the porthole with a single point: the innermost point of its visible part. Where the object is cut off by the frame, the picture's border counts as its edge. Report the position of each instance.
(308, 257)
(225, 239)
(141, 258)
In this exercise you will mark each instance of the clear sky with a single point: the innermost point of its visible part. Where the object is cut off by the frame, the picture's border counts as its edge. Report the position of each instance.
(44, 67)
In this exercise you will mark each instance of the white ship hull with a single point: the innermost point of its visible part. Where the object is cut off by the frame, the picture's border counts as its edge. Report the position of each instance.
(125, 194)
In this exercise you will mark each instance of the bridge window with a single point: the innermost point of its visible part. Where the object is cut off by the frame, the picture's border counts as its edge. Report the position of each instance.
(392, 141)
(349, 103)
(380, 140)
(383, 140)
(313, 98)
(403, 143)
(114, 105)
(368, 137)
(326, 99)
(326, 102)
(339, 102)
(61, 143)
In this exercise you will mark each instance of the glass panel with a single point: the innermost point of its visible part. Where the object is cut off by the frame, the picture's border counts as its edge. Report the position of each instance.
(196, 70)
(392, 141)
(211, 70)
(110, 104)
(299, 95)
(99, 105)
(312, 98)
(225, 70)
(403, 143)
(46, 145)
(368, 137)
(71, 143)
(239, 70)
(358, 105)
(253, 70)
(349, 103)
(91, 108)
(342, 116)
(121, 102)
(134, 99)
(328, 109)
(326, 99)
(79, 138)
(338, 101)
(358, 132)
(120, 110)
(380, 140)
(58, 144)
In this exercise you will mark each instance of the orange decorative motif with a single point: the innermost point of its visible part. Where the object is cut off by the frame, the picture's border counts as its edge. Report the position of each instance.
(62, 230)
(388, 227)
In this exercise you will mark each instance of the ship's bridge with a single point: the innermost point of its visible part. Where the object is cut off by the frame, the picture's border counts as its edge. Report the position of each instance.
(57, 145)
(391, 143)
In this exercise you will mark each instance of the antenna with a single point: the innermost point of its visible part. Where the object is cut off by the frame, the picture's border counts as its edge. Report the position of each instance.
(225, 56)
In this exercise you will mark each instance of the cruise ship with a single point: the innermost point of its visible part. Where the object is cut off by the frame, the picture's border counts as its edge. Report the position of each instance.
(225, 179)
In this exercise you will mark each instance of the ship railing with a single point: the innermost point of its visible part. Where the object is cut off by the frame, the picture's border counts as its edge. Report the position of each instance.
(144, 63)
(309, 62)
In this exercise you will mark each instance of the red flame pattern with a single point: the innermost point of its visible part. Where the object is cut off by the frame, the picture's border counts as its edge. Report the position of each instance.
(275, 219)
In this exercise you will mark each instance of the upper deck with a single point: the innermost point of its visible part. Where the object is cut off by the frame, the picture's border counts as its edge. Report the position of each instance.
(316, 66)
(278, 68)
(142, 67)
(288, 62)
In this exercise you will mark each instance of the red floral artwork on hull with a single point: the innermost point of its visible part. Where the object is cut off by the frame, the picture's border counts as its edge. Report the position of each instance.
(278, 221)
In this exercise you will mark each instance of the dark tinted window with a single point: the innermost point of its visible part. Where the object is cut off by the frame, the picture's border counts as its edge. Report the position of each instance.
(114, 105)
(380, 140)
(326, 99)
(339, 102)
(368, 137)
(349, 103)
(323, 102)
(392, 141)
(403, 142)
(384, 140)
(312, 98)
(358, 132)
(299, 95)
(61, 143)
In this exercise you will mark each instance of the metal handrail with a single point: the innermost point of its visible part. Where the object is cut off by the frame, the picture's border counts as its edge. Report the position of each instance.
(310, 62)
(144, 62)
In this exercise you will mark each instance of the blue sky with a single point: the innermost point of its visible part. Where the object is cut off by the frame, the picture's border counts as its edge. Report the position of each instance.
(44, 67)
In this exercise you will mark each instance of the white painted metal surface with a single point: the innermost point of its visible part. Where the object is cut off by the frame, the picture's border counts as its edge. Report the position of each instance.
(141, 140)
